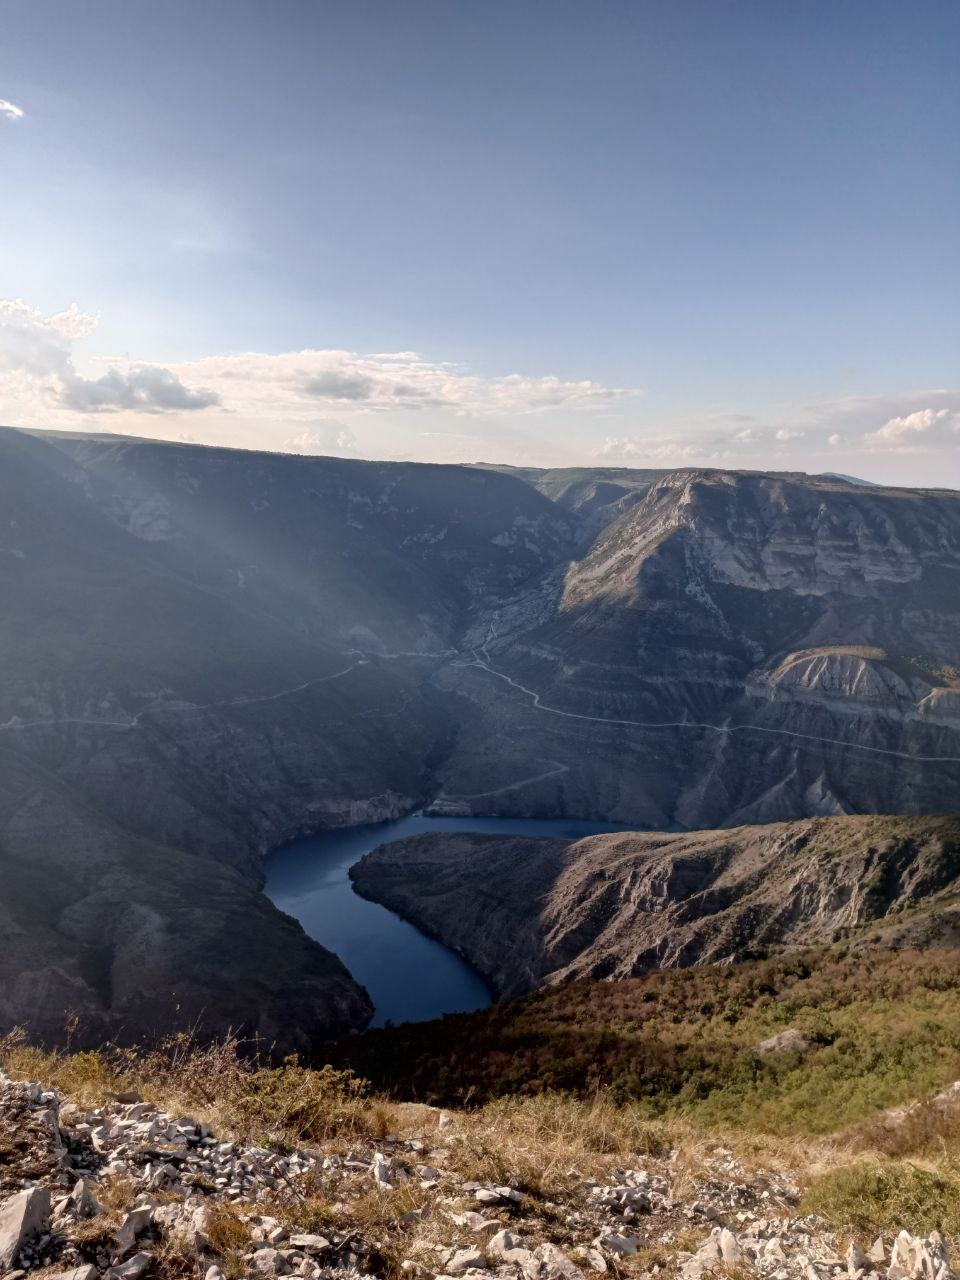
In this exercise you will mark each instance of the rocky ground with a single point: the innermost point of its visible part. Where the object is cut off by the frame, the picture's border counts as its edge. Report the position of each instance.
(128, 1191)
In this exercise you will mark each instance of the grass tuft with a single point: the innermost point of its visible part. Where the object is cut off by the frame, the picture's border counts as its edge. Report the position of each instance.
(873, 1196)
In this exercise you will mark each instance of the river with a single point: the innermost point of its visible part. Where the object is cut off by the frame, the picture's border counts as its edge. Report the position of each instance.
(410, 977)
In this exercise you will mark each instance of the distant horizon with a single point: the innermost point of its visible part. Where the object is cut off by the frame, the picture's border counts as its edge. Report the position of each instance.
(488, 463)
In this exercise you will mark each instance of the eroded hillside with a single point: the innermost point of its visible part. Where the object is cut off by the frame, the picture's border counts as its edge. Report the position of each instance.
(207, 652)
(531, 911)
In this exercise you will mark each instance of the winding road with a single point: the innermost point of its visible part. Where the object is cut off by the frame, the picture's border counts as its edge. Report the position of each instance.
(536, 701)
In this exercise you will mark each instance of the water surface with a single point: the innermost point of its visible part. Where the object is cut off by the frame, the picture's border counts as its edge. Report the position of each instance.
(410, 977)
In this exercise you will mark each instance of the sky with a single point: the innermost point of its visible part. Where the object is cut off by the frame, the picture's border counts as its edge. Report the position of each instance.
(623, 232)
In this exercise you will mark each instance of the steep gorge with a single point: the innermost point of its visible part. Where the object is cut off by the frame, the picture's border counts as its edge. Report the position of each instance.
(207, 652)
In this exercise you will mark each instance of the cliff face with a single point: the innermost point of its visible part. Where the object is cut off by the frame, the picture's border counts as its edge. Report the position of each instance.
(733, 648)
(527, 912)
(207, 652)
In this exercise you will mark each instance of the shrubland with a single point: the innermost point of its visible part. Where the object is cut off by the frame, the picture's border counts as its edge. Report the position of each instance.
(595, 1076)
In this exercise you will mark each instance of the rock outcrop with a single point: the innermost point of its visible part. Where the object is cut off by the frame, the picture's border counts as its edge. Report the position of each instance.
(531, 911)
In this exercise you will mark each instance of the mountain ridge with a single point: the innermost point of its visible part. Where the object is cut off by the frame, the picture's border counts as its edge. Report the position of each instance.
(214, 651)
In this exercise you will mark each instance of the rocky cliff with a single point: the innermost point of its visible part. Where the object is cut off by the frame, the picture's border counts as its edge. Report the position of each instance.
(207, 652)
(531, 911)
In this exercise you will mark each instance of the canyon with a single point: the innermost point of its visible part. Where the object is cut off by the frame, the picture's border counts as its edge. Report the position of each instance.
(208, 653)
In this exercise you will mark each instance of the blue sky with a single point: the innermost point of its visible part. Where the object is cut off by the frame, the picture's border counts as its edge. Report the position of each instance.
(670, 233)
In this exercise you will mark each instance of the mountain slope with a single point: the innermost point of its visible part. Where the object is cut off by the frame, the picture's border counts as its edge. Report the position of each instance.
(651, 670)
(208, 652)
(531, 911)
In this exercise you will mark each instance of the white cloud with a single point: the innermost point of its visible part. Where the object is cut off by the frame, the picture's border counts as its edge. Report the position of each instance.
(10, 111)
(37, 368)
(786, 434)
(652, 451)
(836, 440)
(916, 431)
(325, 438)
(396, 381)
(147, 388)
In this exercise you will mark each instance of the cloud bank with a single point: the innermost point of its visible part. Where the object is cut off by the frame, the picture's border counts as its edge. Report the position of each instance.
(37, 364)
(401, 404)
(388, 381)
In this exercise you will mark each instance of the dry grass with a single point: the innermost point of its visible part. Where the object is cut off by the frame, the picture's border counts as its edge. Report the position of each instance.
(219, 1083)
(872, 1196)
(381, 1210)
(174, 1261)
(876, 1176)
(534, 1143)
(229, 1238)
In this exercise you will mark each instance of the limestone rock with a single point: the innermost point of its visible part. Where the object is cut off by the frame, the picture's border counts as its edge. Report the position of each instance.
(22, 1216)
(623, 1246)
(464, 1260)
(788, 1041)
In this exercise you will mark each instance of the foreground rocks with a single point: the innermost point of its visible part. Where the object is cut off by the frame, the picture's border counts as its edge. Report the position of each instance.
(126, 1191)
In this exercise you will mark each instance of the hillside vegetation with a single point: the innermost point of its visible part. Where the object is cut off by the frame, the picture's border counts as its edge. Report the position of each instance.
(636, 1129)
(881, 1028)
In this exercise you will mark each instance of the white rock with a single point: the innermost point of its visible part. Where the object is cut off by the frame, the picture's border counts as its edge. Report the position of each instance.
(382, 1170)
(730, 1249)
(554, 1263)
(508, 1193)
(856, 1260)
(474, 1221)
(269, 1262)
(506, 1247)
(623, 1246)
(134, 1224)
(465, 1260)
(309, 1243)
(84, 1201)
(22, 1216)
(130, 1270)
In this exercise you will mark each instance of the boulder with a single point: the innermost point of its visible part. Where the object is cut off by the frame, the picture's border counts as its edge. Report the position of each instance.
(506, 1247)
(464, 1260)
(856, 1260)
(788, 1041)
(384, 1173)
(132, 1269)
(730, 1249)
(309, 1243)
(555, 1265)
(21, 1216)
(134, 1224)
(85, 1203)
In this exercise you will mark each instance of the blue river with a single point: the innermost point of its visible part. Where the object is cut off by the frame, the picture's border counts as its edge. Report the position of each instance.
(409, 976)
